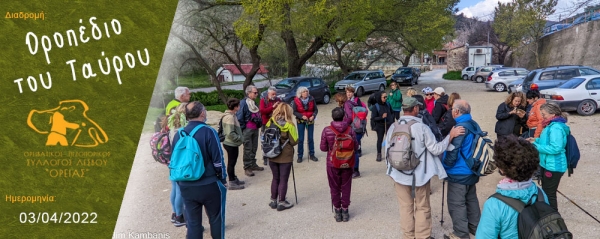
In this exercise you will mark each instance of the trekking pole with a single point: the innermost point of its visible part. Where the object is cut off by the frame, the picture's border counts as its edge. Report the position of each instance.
(443, 186)
(294, 179)
(578, 206)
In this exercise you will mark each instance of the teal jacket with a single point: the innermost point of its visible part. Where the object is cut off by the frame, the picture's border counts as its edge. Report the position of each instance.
(395, 99)
(499, 219)
(551, 146)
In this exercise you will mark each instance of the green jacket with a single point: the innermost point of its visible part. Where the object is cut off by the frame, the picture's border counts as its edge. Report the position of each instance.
(232, 130)
(395, 99)
(171, 106)
(551, 146)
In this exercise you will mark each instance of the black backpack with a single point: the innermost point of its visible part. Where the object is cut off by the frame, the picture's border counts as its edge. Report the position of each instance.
(220, 130)
(572, 153)
(537, 219)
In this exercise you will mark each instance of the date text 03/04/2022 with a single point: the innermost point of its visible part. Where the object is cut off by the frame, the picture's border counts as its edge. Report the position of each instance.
(58, 217)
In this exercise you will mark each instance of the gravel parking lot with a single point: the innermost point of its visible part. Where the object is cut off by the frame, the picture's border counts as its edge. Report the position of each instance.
(374, 208)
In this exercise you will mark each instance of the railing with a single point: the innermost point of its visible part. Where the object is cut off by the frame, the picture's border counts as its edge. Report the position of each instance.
(570, 22)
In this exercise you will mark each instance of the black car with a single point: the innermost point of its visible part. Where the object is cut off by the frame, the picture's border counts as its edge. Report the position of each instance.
(406, 76)
(286, 89)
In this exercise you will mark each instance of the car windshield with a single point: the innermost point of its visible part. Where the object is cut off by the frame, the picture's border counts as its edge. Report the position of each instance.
(403, 71)
(286, 84)
(355, 76)
(572, 83)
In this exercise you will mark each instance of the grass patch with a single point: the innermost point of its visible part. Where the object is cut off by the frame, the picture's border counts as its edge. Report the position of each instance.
(220, 108)
(452, 75)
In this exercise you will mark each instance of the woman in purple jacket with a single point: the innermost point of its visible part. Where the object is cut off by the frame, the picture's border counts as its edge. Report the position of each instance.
(340, 179)
(350, 103)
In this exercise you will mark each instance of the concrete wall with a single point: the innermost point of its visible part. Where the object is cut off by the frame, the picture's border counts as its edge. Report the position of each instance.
(577, 45)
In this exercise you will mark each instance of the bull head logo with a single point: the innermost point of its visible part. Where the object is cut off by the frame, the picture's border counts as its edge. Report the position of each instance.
(64, 125)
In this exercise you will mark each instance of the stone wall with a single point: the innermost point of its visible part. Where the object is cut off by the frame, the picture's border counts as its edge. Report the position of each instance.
(577, 45)
(457, 59)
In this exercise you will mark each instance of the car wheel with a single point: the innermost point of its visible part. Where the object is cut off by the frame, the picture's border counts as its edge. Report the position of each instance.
(465, 77)
(479, 79)
(381, 88)
(500, 87)
(360, 91)
(326, 99)
(586, 108)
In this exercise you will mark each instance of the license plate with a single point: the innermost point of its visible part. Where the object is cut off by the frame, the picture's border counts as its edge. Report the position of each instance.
(341, 88)
(547, 96)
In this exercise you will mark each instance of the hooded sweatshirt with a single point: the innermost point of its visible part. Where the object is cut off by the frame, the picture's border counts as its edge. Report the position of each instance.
(551, 145)
(499, 220)
(384, 107)
(440, 108)
(535, 117)
(328, 138)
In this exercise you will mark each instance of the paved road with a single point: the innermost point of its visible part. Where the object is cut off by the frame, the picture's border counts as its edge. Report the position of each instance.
(374, 210)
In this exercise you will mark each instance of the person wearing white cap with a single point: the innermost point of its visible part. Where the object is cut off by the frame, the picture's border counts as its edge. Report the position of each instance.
(441, 104)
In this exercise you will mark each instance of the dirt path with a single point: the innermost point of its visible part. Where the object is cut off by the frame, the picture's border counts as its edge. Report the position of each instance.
(374, 208)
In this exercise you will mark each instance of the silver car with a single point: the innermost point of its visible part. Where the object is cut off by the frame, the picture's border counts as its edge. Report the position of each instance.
(363, 81)
(468, 72)
(499, 79)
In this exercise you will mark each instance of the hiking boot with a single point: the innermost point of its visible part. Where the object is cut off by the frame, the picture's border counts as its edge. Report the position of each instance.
(356, 174)
(273, 204)
(237, 181)
(179, 221)
(451, 236)
(299, 159)
(173, 217)
(234, 186)
(378, 157)
(282, 205)
(338, 215)
(257, 168)
(313, 158)
(345, 215)
(249, 172)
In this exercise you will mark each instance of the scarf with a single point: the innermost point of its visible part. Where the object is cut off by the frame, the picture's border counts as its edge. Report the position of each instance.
(558, 119)
(305, 101)
(251, 105)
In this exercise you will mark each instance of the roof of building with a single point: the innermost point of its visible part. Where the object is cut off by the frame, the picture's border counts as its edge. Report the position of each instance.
(245, 67)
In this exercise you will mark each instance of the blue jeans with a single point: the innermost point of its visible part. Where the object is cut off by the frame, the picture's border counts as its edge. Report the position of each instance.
(358, 138)
(311, 141)
(212, 198)
(176, 200)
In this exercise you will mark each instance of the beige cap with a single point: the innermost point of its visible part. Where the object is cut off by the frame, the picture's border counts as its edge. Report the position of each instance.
(439, 90)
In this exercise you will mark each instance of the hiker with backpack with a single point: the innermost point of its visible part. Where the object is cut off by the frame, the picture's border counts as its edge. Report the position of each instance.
(250, 121)
(232, 141)
(440, 104)
(383, 117)
(395, 99)
(197, 166)
(534, 119)
(305, 110)
(462, 201)
(412, 160)
(339, 141)
(281, 126)
(517, 160)
(511, 115)
(427, 118)
(551, 147)
(267, 105)
(176, 121)
(355, 115)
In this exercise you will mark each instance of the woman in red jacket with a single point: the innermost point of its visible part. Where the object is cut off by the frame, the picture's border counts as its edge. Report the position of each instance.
(305, 110)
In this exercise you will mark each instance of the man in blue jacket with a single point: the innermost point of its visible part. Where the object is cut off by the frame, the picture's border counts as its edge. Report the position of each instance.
(462, 201)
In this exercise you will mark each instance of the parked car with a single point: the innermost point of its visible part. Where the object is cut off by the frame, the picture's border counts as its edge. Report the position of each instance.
(553, 76)
(406, 76)
(482, 73)
(498, 80)
(516, 86)
(286, 89)
(467, 72)
(363, 81)
(581, 94)
(418, 71)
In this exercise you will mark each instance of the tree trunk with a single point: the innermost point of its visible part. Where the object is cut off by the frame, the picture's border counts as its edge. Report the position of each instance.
(407, 59)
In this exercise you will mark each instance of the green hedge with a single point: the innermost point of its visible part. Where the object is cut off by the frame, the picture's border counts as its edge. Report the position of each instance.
(452, 75)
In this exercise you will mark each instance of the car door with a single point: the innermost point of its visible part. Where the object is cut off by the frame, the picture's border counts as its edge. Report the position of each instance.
(593, 88)
(546, 80)
(370, 82)
(318, 89)
(506, 75)
(563, 76)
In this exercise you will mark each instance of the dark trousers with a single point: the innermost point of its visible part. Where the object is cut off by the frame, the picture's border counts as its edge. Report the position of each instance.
(358, 138)
(250, 137)
(232, 157)
(550, 181)
(380, 134)
(340, 186)
(311, 142)
(396, 115)
(212, 197)
(463, 207)
(279, 184)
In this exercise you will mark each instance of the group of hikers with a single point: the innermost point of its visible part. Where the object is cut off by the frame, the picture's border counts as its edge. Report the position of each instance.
(441, 136)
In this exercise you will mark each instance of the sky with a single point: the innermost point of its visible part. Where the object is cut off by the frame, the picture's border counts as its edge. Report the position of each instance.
(484, 9)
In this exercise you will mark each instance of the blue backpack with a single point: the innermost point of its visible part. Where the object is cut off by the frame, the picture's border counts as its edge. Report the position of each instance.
(187, 163)
(572, 153)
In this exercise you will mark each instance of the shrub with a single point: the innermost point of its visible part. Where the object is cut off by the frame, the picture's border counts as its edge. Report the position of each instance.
(452, 75)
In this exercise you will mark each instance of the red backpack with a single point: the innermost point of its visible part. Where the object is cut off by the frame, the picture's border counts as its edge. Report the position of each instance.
(342, 153)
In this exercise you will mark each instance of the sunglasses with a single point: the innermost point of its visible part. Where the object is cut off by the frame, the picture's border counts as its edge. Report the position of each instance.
(430, 94)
